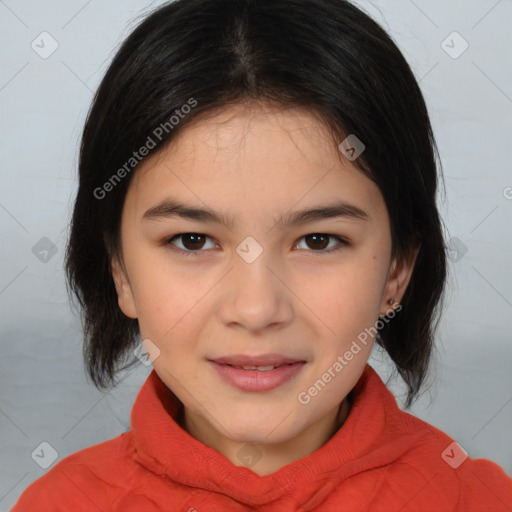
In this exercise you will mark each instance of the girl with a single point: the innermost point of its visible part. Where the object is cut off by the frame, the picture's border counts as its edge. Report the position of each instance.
(256, 209)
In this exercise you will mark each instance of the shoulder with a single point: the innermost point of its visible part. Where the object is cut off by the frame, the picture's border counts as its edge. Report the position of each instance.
(416, 466)
(443, 474)
(89, 479)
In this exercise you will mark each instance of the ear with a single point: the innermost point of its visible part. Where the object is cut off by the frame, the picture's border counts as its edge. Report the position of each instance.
(399, 277)
(124, 290)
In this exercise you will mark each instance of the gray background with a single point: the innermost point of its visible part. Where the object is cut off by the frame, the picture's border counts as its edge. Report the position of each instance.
(45, 395)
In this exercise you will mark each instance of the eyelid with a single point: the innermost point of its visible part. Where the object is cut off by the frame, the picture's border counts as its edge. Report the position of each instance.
(168, 243)
(343, 242)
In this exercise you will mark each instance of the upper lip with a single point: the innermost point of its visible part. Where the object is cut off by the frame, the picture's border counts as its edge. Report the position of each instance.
(259, 360)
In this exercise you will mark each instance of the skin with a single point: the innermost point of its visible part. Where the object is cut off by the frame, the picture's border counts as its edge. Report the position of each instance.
(256, 163)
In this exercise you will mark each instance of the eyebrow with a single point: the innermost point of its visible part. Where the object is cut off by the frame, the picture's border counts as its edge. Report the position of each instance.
(170, 208)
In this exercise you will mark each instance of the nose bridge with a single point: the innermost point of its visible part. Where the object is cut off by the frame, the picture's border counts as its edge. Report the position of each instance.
(253, 274)
(256, 274)
(257, 297)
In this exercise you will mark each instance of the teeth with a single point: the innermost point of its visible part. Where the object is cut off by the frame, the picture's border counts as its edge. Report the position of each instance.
(259, 368)
(265, 368)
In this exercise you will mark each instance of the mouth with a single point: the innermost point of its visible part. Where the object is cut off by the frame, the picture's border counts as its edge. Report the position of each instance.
(258, 373)
(261, 368)
(259, 361)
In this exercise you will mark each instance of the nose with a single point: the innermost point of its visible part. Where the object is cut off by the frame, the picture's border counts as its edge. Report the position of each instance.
(256, 296)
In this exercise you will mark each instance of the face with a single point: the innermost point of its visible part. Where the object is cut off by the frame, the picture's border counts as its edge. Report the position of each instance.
(223, 269)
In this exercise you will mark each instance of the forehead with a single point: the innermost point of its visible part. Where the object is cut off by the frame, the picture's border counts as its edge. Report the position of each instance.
(254, 132)
(256, 154)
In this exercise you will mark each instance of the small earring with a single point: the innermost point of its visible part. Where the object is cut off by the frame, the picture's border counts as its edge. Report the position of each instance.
(390, 301)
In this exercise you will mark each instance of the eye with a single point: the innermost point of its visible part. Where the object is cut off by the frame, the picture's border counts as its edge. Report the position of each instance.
(191, 242)
(319, 241)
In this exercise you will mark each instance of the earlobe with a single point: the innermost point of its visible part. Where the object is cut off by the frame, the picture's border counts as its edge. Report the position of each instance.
(124, 290)
(399, 277)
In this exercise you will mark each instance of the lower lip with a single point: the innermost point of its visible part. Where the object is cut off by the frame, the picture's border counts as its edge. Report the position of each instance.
(254, 380)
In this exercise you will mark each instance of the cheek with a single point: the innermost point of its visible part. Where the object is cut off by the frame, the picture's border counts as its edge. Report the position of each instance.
(169, 300)
(346, 297)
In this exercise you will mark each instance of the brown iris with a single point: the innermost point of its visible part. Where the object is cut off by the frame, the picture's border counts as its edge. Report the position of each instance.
(317, 239)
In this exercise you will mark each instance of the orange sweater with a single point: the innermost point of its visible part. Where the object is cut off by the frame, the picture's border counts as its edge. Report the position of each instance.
(381, 459)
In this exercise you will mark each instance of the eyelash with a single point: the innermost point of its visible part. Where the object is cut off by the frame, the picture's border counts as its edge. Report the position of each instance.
(342, 243)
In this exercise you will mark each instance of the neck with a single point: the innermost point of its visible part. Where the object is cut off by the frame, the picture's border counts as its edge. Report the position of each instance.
(272, 457)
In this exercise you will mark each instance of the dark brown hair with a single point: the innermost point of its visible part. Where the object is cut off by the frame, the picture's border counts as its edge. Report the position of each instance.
(325, 55)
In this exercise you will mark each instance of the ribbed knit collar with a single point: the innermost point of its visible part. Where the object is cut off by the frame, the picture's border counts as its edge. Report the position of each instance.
(166, 449)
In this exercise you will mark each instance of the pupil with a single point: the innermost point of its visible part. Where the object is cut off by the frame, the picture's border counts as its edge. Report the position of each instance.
(316, 239)
(195, 239)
